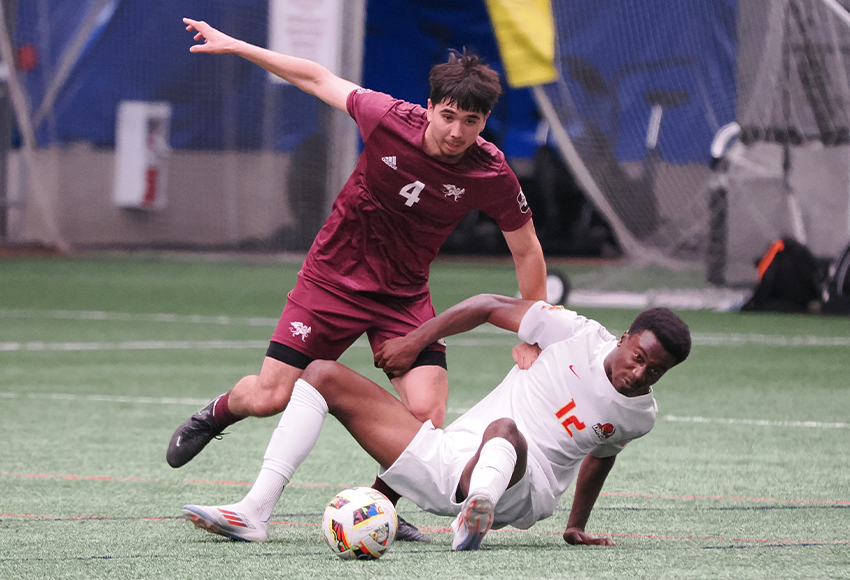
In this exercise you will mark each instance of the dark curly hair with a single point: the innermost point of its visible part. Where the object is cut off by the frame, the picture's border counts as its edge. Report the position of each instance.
(466, 81)
(670, 330)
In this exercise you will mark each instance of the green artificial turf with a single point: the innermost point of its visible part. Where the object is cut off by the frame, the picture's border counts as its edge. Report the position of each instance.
(744, 476)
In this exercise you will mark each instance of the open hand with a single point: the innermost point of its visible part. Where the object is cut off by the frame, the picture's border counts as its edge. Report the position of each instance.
(212, 41)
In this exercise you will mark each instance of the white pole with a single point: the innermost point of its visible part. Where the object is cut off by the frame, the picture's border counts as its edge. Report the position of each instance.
(844, 16)
(839, 10)
(21, 106)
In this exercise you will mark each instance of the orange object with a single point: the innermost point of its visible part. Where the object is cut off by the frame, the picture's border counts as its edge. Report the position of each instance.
(776, 247)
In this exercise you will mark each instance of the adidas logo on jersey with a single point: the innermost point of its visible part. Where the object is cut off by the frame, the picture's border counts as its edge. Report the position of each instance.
(390, 161)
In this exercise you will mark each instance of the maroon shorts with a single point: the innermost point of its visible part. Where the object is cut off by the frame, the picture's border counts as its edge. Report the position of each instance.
(321, 322)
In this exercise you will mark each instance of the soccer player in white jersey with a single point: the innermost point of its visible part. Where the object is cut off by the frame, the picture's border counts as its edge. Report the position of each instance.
(506, 461)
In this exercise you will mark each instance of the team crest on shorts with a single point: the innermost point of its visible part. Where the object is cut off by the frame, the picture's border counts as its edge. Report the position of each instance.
(300, 329)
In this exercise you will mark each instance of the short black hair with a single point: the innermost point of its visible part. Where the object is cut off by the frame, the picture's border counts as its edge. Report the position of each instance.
(466, 81)
(668, 327)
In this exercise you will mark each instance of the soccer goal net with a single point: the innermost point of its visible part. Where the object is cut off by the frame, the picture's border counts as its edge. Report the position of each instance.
(705, 129)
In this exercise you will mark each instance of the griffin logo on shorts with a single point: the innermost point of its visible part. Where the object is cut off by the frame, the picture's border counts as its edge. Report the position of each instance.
(603, 431)
(300, 329)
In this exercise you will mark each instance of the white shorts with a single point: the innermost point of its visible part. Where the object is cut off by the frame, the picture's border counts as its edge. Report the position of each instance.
(428, 472)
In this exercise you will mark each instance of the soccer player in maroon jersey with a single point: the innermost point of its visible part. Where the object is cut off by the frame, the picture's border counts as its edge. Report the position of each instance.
(421, 171)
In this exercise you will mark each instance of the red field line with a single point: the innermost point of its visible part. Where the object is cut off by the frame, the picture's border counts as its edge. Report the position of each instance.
(728, 498)
(326, 485)
(441, 529)
(446, 530)
(329, 486)
(141, 479)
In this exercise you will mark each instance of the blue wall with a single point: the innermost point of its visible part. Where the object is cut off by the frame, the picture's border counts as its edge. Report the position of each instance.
(141, 51)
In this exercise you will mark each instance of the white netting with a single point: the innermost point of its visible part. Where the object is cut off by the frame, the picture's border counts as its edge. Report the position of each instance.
(250, 163)
(640, 101)
(27, 176)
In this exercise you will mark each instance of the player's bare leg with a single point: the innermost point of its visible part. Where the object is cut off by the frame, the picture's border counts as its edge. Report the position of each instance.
(424, 391)
(265, 394)
(380, 423)
(254, 395)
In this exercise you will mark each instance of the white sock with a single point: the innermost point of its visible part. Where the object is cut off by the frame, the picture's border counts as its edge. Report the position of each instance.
(291, 442)
(492, 473)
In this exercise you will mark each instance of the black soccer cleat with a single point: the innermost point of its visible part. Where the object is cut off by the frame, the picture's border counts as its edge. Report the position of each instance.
(192, 436)
(407, 532)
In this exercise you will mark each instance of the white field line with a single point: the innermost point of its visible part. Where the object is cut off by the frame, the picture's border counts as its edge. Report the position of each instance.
(451, 411)
(732, 339)
(129, 317)
(134, 345)
(757, 422)
(107, 398)
(717, 299)
(702, 339)
(699, 339)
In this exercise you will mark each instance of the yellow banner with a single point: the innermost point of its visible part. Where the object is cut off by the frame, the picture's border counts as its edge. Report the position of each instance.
(525, 32)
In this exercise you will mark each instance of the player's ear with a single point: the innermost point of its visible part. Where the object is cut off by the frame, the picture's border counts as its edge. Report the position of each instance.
(623, 338)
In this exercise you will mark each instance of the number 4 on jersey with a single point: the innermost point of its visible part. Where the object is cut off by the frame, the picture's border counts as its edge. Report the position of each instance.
(411, 192)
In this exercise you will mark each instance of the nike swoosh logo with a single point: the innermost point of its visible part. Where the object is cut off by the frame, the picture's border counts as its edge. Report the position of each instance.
(177, 444)
(571, 369)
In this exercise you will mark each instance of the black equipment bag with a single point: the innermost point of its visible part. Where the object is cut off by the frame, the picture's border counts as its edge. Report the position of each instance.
(790, 279)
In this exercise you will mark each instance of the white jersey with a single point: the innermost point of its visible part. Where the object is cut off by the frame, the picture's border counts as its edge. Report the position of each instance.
(564, 405)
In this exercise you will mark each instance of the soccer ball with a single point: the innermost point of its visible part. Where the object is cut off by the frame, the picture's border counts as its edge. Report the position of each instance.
(360, 523)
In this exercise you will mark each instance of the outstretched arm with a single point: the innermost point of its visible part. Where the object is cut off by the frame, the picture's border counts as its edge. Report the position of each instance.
(531, 275)
(396, 355)
(528, 260)
(591, 477)
(309, 76)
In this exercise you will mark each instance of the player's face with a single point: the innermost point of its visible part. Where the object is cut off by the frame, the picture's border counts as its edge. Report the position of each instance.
(637, 363)
(451, 131)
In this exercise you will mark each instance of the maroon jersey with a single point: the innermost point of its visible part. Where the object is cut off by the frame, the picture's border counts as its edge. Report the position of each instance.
(400, 204)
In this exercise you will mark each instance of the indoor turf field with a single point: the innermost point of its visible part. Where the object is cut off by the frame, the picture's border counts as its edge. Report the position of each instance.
(744, 476)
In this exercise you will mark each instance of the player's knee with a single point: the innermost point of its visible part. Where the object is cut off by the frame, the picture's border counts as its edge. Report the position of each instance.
(435, 410)
(507, 429)
(324, 375)
(272, 397)
(321, 373)
(317, 372)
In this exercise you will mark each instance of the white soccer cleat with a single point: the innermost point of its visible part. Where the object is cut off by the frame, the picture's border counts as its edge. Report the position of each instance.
(472, 523)
(230, 521)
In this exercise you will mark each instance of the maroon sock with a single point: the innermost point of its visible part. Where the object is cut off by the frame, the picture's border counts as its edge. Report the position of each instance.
(221, 412)
(386, 490)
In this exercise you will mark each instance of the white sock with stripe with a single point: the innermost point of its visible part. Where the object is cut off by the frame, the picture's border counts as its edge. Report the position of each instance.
(492, 473)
